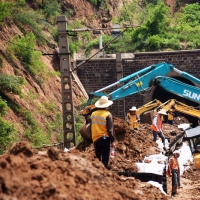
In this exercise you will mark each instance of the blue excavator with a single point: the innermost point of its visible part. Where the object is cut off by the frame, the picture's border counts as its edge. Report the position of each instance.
(144, 79)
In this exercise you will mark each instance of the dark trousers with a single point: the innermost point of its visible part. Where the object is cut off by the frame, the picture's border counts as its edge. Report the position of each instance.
(175, 178)
(102, 150)
(170, 122)
(160, 134)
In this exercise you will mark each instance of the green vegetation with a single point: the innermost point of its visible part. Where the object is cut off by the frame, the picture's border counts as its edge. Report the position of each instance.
(5, 10)
(1, 62)
(3, 107)
(10, 83)
(33, 132)
(23, 48)
(78, 124)
(96, 2)
(7, 135)
(158, 29)
(51, 9)
(31, 19)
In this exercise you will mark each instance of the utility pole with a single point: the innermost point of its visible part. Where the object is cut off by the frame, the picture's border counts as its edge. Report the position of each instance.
(119, 70)
(66, 85)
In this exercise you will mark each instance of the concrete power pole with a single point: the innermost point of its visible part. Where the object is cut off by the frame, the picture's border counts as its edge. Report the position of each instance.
(66, 85)
(119, 70)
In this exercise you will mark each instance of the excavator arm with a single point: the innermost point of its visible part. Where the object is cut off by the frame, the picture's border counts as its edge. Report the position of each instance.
(150, 105)
(143, 80)
(137, 82)
(180, 107)
(179, 88)
(187, 110)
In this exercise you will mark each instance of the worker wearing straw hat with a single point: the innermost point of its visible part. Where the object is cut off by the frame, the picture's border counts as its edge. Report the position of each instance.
(132, 118)
(102, 130)
(157, 126)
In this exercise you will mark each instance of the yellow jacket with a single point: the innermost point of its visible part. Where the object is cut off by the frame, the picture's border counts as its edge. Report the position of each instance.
(132, 121)
(98, 124)
(170, 116)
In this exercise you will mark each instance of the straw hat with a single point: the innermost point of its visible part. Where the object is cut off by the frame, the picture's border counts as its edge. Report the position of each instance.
(162, 112)
(133, 108)
(176, 151)
(103, 102)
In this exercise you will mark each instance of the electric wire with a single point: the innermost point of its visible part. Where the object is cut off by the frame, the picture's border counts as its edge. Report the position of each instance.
(86, 60)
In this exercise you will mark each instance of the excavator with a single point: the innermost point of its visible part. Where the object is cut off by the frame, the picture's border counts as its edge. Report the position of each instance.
(180, 107)
(142, 81)
(176, 106)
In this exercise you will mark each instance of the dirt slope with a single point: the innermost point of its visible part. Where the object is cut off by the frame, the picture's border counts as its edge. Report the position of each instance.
(53, 174)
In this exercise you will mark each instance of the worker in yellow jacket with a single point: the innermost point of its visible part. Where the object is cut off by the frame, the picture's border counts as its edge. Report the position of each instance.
(170, 117)
(102, 129)
(132, 118)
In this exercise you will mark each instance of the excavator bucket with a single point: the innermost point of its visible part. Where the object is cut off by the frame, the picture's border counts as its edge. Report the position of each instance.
(87, 110)
(85, 132)
(148, 116)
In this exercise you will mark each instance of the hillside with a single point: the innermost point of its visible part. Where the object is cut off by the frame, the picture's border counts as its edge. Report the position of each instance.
(41, 100)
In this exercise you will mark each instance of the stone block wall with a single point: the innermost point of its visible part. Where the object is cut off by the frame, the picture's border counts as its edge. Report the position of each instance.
(99, 73)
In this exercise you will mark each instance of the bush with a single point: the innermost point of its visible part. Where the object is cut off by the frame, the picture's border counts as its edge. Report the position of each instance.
(30, 18)
(33, 132)
(6, 130)
(24, 50)
(153, 42)
(51, 8)
(1, 62)
(3, 107)
(10, 83)
(37, 137)
(5, 10)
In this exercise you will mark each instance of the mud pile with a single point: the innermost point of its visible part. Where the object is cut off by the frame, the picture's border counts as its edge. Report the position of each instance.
(27, 173)
(54, 174)
(133, 145)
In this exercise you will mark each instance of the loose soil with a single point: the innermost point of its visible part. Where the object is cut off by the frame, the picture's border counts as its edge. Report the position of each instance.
(51, 173)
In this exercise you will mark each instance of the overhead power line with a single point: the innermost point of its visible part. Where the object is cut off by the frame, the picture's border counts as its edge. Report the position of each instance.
(86, 60)
(96, 29)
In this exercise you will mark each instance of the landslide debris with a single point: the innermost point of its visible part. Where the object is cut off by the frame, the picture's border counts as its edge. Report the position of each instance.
(27, 173)
(53, 174)
(132, 145)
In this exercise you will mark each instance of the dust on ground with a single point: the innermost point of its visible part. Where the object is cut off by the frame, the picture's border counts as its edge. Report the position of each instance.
(27, 173)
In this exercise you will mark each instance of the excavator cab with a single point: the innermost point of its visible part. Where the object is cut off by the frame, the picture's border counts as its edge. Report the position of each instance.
(193, 138)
